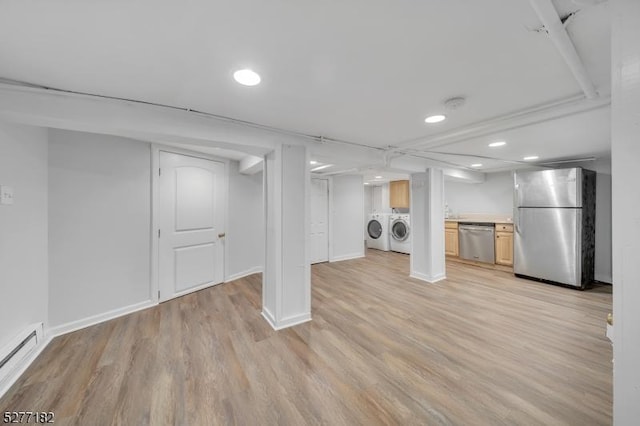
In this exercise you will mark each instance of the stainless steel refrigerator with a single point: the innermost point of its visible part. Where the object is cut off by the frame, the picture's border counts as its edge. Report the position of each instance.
(554, 218)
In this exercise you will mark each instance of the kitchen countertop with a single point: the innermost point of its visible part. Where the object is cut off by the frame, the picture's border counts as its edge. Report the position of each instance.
(480, 219)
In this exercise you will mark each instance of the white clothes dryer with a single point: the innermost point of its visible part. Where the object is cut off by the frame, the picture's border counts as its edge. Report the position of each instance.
(378, 231)
(400, 233)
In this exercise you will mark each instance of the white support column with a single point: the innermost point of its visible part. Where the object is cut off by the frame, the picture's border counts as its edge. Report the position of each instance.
(286, 281)
(427, 226)
(625, 152)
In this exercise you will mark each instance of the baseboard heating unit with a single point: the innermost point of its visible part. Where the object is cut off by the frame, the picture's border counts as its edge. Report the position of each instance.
(17, 350)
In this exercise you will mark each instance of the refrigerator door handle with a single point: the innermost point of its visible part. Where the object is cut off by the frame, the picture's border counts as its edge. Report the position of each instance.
(516, 204)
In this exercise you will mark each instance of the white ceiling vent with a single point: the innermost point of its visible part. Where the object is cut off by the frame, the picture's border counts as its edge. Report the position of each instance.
(455, 103)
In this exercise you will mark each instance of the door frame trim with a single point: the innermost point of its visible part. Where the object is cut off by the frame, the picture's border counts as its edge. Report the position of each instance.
(329, 212)
(154, 288)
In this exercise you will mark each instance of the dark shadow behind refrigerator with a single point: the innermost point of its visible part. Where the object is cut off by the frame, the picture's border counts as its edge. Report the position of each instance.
(554, 232)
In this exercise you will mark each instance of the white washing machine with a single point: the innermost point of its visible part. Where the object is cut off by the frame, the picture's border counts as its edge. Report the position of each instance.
(400, 233)
(378, 231)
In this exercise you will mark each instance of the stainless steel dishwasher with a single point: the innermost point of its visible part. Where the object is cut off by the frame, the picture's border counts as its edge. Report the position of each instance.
(477, 242)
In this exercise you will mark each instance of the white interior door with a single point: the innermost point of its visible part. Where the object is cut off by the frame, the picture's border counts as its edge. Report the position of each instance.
(319, 220)
(191, 220)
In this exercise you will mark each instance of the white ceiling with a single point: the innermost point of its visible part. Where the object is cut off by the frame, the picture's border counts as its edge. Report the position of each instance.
(378, 177)
(580, 135)
(364, 71)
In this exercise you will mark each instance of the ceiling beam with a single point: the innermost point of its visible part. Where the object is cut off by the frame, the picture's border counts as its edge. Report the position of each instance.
(465, 176)
(170, 125)
(36, 105)
(250, 165)
(408, 164)
(560, 38)
(133, 119)
(518, 119)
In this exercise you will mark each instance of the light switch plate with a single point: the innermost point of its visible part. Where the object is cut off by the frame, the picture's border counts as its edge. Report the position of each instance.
(6, 195)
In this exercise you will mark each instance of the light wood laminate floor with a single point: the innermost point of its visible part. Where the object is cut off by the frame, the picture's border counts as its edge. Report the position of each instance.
(480, 348)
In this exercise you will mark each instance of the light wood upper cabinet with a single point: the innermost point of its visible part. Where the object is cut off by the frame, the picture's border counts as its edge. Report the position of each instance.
(399, 194)
(504, 248)
(451, 239)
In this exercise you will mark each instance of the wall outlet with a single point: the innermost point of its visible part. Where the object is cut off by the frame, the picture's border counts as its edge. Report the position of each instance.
(6, 195)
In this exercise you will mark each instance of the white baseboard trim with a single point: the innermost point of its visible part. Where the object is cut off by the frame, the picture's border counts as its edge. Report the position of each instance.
(430, 279)
(294, 320)
(254, 270)
(22, 367)
(346, 257)
(267, 315)
(286, 322)
(603, 278)
(96, 319)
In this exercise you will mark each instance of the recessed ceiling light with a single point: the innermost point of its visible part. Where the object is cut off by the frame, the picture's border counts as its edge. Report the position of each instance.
(531, 157)
(497, 144)
(476, 165)
(321, 167)
(313, 162)
(366, 183)
(378, 177)
(246, 77)
(434, 118)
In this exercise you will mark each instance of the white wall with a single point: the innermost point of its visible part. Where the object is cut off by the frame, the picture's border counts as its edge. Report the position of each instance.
(368, 208)
(23, 230)
(347, 220)
(494, 196)
(368, 200)
(380, 201)
(99, 225)
(245, 224)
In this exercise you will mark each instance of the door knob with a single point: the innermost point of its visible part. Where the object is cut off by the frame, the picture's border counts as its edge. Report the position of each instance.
(221, 235)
